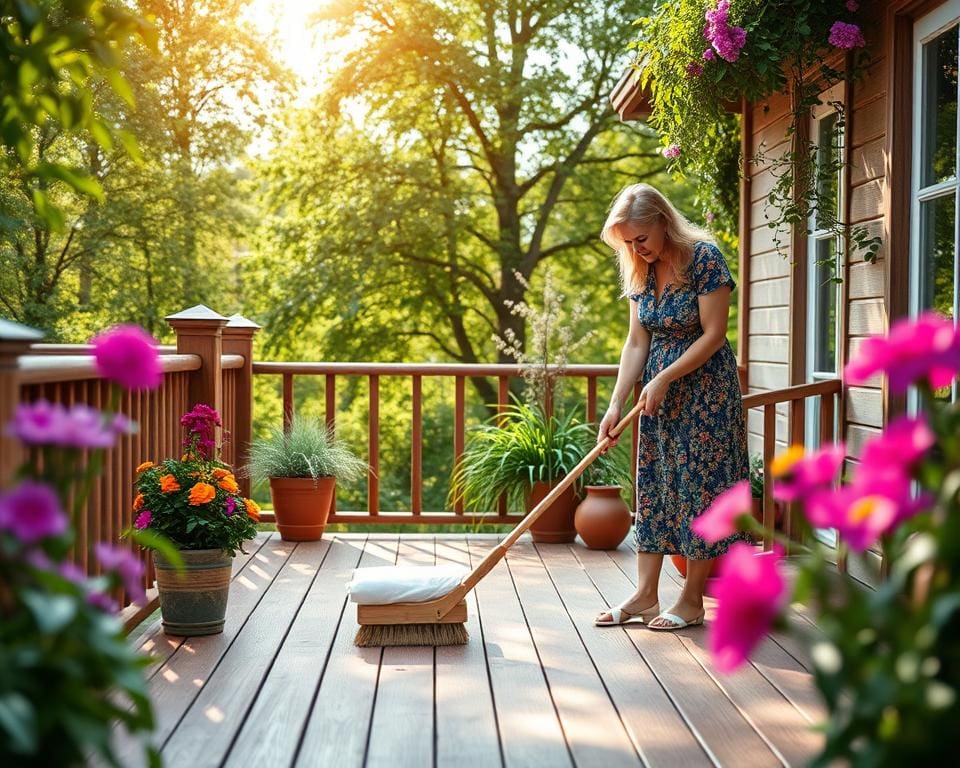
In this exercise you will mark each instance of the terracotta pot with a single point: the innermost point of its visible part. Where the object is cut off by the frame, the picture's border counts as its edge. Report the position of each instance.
(680, 563)
(555, 525)
(194, 603)
(301, 506)
(603, 518)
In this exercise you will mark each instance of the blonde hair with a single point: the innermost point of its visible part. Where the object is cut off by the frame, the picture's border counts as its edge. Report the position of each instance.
(645, 206)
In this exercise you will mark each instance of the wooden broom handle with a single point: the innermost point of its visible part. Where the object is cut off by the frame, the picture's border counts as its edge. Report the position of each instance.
(498, 552)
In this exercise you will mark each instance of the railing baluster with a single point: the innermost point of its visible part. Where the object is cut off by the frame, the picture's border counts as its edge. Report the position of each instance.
(769, 444)
(503, 392)
(459, 417)
(373, 486)
(591, 399)
(330, 406)
(416, 448)
(287, 401)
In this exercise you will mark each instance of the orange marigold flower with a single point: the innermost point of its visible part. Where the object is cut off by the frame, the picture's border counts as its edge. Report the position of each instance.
(220, 472)
(201, 493)
(169, 484)
(229, 484)
(253, 510)
(138, 503)
(145, 465)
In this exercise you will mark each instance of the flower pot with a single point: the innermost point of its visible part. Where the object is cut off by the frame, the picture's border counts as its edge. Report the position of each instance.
(301, 506)
(680, 563)
(555, 525)
(603, 518)
(194, 603)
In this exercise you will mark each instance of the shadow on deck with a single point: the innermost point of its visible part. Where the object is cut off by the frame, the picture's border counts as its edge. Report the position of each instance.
(537, 684)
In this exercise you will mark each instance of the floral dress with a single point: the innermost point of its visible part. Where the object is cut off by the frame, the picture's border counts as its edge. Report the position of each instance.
(695, 447)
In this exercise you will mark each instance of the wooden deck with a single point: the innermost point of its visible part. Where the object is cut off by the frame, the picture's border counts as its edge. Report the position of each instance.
(537, 685)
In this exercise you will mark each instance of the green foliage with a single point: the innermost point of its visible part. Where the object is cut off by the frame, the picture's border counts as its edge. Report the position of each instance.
(785, 42)
(309, 449)
(756, 476)
(509, 453)
(611, 468)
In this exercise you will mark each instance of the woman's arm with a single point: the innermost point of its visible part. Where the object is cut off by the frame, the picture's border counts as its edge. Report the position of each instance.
(714, 311)
(633, 358)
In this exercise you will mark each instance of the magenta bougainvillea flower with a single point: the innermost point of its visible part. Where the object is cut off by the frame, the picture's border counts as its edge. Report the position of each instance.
(143, 520)
(709, 55)
(843, 35)
(718, 521)
(200, 423)
(727, 41)
(127, 355)
(799, 473)
(672, 152)
(926, 348)
(694, 69)
(126, 565)
(750, 593)
(32, 512)
(229, 506)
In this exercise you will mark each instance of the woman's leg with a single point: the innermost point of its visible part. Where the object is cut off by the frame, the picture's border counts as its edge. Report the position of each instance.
(689, 605)
(648, 578)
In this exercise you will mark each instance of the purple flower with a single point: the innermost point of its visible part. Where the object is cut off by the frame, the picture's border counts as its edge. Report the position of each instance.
(853, 6)
(39, 423)
(672, 152)
(143, 520)
(127, 354)
(799, 474)
(126, 565)
(121, 425)
(102, 601)
(43, 423)
(72, 572)
(200, 423)
(86, 427)
(709, 55)
(32, 512)
(231, 505)
(843, 35)
(727, 41)
(694, 69)
(709, 216)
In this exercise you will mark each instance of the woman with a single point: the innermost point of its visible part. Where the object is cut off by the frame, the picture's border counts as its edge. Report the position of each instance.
(693, 440)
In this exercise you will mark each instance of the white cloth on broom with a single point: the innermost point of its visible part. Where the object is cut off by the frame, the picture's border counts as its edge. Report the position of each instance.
(389, 584)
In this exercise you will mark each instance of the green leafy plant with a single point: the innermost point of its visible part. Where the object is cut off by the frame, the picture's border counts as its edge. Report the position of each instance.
(700, 58)
(512, 451)
(195, 501)
(610, 468)
(308, 449)
(756, 476)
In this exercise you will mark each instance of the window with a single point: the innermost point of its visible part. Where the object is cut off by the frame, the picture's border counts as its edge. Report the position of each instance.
(933, 241)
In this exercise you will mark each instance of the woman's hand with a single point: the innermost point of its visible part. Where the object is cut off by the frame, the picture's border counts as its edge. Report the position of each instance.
(610, 419)
(653, 393)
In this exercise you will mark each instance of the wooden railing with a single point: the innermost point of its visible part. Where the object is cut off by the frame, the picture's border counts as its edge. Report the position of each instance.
(416, 372)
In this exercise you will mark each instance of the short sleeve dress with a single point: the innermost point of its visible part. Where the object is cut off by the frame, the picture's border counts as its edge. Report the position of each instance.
(696, 446)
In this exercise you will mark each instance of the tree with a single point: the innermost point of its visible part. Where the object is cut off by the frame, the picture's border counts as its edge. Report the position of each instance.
(486, 147)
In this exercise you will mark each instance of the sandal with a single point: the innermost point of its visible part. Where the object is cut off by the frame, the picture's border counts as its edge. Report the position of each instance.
(619, 616)
(677, 622)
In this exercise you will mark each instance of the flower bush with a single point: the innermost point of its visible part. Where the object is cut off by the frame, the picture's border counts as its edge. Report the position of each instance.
(887, 661)
(67, 674)
(195, 501)
(699, 57)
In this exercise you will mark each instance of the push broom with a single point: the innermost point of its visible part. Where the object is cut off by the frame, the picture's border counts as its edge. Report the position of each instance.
(388, 617)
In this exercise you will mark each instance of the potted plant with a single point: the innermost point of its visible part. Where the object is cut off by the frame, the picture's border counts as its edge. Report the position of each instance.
(302, 466)
(195, 502)
(603, 517)
(521, 454)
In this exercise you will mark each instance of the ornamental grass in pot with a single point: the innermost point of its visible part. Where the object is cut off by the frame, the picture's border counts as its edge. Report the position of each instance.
(302, 466)
(195, 502)
(521, 454)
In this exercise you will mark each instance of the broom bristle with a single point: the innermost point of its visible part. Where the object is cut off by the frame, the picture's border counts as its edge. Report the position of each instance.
(373, 635)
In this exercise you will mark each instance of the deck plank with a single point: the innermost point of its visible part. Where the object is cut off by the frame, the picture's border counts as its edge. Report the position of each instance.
(403, 720)
(530, 732)
(181, 677)
(216, 715)
(466, 720)
(338, 727)
(723, 730)
(272, 730)
(660, 734)
(593, 728)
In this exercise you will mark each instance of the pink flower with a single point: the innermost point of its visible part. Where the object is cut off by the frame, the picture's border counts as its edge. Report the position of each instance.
(43, 423)
(126, 565)
(143, 520)
(102, 602)
(709, 55)
(798, 473)
(892, 453)
(672, 152)
(925, 348)
(32, 512)
(860, 518)
(127, 354)
(853, 6)
(230, 505)
(727, 41)
(694, 69)
(718, 521)
(750, 593)
(709, 216)
(39, 423)
(843, 35)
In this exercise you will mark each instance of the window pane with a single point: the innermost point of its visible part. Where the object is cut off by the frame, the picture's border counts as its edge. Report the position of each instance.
(937, 274)
(940, 109)
(825, 307)
(828, 171)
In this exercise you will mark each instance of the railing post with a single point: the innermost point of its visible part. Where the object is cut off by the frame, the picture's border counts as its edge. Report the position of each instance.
(238, 336)
(200, 332)
(15, 340)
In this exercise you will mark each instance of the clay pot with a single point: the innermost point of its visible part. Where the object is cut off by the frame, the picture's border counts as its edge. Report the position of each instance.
(555, 525)
(603, 518)
(301, 506)
(680, 563)
(196, 602)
